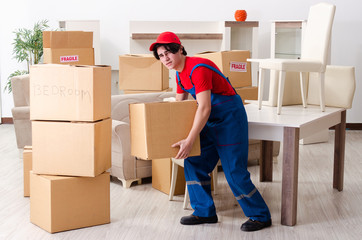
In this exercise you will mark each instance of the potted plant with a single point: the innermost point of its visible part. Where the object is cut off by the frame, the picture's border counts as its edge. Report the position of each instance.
(28, 46)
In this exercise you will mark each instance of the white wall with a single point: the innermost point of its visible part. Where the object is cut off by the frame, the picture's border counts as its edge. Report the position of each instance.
(114, 16)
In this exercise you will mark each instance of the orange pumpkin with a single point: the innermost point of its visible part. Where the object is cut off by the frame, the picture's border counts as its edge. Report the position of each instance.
(240, 15)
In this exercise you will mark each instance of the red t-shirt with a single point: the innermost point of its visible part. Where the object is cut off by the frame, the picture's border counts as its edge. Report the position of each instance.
(203, 78)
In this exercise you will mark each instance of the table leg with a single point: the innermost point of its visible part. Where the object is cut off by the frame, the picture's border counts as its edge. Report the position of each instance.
(339, 149)
(266, 161)
(290, 176)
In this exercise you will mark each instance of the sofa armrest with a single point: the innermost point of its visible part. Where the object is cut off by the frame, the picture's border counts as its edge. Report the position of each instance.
(121, 150)
(20, 86)
(21, 113)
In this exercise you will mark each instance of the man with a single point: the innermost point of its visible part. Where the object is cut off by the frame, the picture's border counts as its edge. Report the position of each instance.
(222, 124)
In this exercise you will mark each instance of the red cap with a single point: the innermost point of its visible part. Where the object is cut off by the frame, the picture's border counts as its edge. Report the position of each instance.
(166, 37)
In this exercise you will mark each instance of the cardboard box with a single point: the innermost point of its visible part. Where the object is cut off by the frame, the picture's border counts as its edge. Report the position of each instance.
(67, 39)
(70, 93)
(142, 72)
(233, 65)
(247, 93)
(71, 148)
(145, 91)
(61, 203)
(161, 176)
(68, 47)
(156, 126)
(27, 167)
(69, 56)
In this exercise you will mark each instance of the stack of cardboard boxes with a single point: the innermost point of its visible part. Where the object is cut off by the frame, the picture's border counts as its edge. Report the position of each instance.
(233, 65)
(68, 47)
(70, 109)
(142, 73)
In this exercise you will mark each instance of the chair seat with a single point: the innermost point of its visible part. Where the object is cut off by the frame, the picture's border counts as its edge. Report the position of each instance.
(292, 65)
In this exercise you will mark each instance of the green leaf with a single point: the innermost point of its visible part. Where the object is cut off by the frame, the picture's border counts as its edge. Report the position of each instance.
(8, 83)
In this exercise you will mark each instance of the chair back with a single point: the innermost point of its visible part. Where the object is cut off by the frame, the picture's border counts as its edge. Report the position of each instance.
(316, 40)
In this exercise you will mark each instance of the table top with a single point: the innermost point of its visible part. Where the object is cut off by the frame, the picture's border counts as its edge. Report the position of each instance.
(309, 120)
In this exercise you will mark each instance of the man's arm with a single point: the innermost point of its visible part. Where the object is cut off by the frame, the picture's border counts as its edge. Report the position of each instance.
(182, 96)
(201, 116)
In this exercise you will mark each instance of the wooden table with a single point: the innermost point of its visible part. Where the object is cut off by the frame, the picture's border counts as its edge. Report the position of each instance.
(294, 123)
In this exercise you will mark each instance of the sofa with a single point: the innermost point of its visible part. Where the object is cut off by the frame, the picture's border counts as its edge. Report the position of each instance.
(129, 169)
(21, 111)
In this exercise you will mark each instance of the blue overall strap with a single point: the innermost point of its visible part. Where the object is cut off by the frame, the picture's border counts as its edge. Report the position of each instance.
(179, 81)
(202, 65)
(211, 68)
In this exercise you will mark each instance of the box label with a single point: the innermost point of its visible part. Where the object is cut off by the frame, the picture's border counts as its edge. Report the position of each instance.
(71, 58)
(238, 67)
(61, 91)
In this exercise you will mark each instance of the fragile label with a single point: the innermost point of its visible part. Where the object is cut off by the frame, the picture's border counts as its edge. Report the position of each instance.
(238, 66)
(71, 58)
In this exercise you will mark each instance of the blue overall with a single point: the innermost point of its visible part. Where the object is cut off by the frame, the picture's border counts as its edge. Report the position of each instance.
(224, 137)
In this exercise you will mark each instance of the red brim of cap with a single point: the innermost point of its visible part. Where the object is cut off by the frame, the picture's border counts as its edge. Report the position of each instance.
(152, 46)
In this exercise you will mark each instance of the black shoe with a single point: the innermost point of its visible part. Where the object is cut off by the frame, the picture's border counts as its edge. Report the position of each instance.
(193, 220)
(253, 225)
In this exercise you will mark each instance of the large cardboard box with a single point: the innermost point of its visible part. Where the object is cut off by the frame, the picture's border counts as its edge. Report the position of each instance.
(247, 93)
(142, 72)
(27, 166)
(68, 47)
(233, 65)
(156, 126)
(70, 93)
(71, 148)
(161, 176)
(60, 203)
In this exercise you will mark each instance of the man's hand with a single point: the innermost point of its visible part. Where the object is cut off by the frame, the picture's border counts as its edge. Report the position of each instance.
(185, 148)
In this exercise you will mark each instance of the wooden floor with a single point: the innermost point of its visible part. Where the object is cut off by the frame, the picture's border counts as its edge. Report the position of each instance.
(142, 212)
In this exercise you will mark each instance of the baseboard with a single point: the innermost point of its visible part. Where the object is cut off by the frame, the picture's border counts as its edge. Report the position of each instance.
(354, 126)
(7, 120)
(351, 126)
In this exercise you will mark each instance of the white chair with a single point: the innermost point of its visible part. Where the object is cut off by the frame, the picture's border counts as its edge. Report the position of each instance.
(314, 55)
(180, 162)
(340, 86)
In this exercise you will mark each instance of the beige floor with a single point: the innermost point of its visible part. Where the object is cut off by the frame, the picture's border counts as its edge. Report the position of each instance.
(142, 212)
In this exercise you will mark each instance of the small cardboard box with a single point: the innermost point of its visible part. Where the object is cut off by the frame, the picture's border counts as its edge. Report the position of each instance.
(60, 203)
(247, 93)
(70, 93)
(156, 126)
(142, 72)
(233, 65)
(68, 47)
(161, 176)
(71, 148)
(27, 167)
